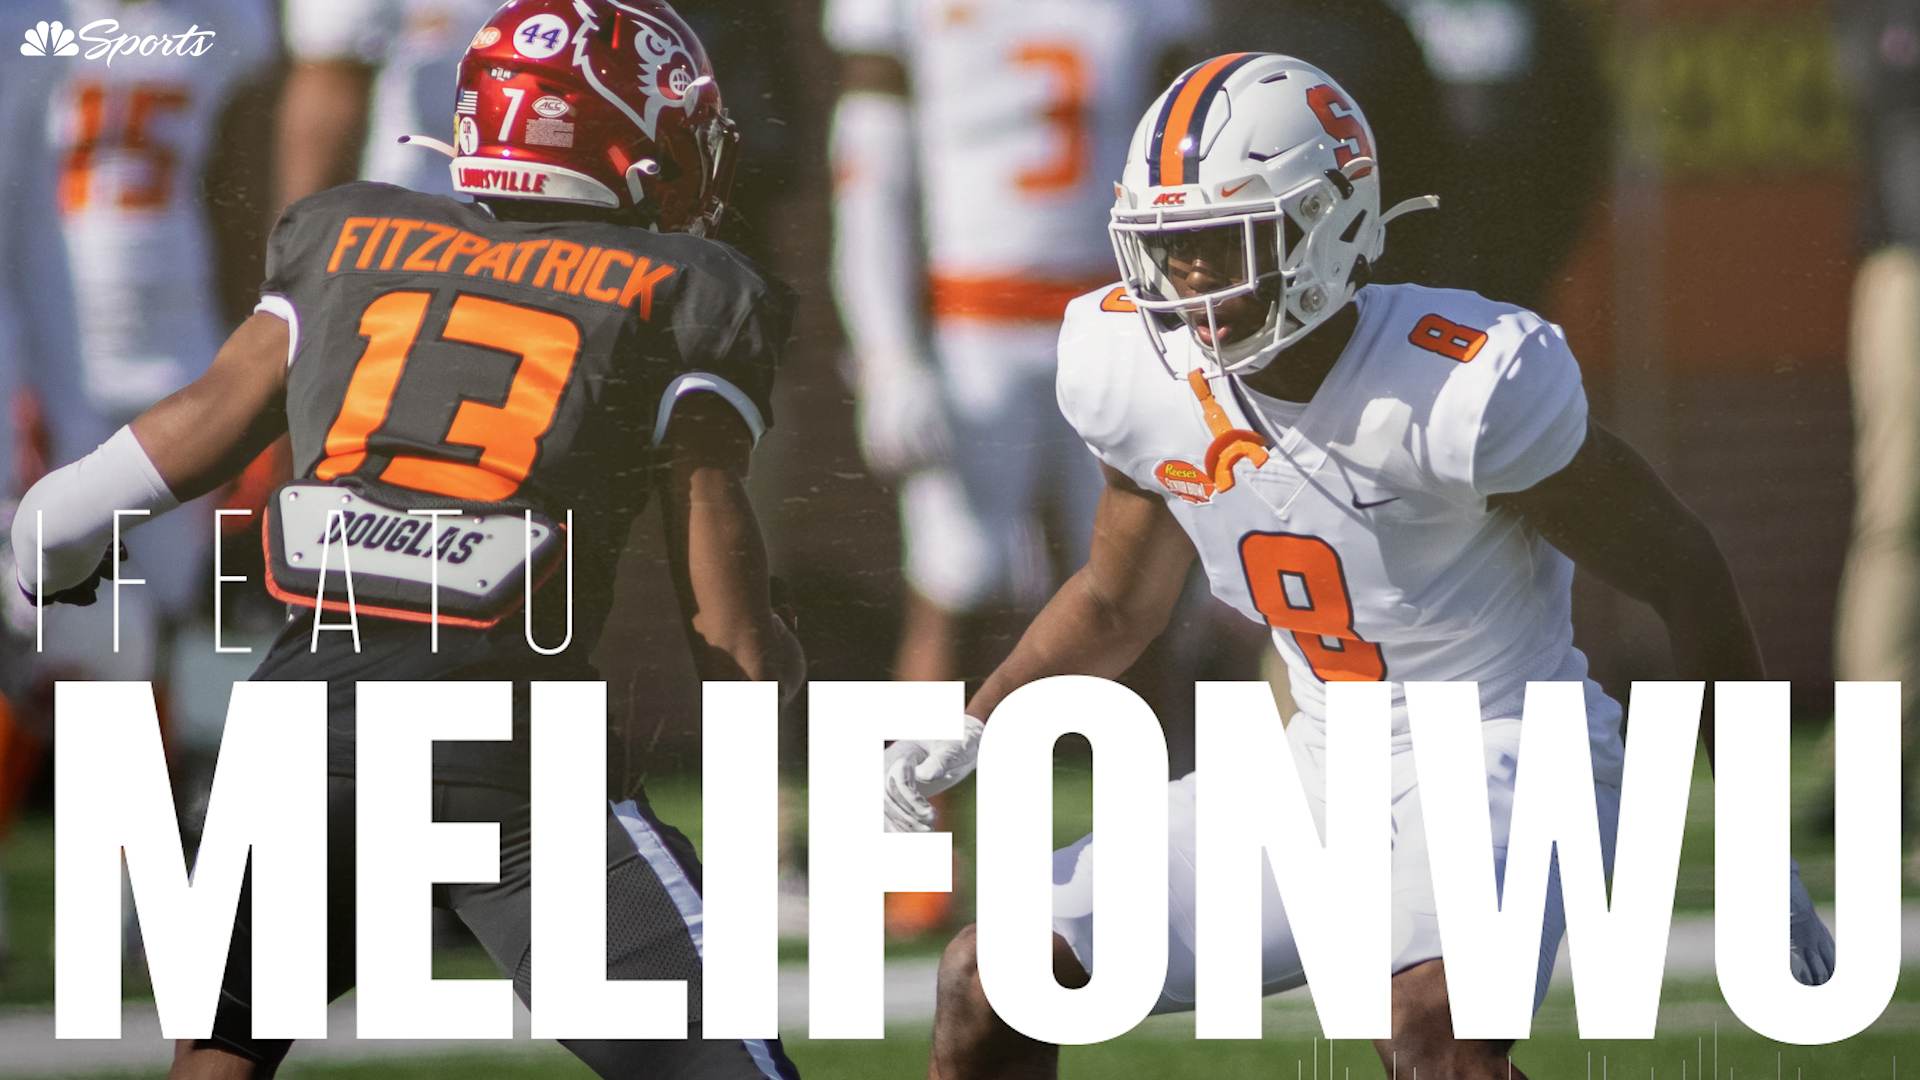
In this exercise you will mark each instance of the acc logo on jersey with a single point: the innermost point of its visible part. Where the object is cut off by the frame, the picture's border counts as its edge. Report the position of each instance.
(1185, 480)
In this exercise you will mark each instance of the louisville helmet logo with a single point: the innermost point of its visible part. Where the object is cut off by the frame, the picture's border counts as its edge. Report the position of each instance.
(667, 68)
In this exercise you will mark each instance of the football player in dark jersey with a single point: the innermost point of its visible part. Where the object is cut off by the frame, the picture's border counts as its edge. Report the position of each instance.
(541, 361)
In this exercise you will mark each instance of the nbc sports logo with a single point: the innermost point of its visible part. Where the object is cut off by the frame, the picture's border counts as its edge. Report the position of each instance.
(49, 39)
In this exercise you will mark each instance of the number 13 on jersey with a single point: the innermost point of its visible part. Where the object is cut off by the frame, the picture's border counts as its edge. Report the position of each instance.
(1298, 584)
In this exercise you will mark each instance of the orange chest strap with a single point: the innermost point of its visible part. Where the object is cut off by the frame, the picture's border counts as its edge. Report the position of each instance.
(1230, 443)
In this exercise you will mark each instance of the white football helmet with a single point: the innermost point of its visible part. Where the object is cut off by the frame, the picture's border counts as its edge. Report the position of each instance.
(1262, 163)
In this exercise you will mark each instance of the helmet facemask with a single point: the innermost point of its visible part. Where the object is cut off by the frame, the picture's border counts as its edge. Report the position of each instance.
(1195, 264)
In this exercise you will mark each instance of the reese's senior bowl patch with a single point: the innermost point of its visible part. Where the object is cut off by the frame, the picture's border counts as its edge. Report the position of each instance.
(1185, 480)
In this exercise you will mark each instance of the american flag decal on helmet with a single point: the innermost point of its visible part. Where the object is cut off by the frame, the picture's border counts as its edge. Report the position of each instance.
(469, 103)
(1173, 152)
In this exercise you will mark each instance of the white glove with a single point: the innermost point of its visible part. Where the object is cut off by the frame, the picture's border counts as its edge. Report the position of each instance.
(902, 423)
(1810, 946)
(915, 771)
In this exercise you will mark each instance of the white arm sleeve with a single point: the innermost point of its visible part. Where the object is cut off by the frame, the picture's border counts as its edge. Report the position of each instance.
(876, 254)
(68, 515)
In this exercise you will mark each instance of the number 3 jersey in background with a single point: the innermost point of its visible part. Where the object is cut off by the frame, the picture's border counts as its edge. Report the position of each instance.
(131, 139)
(1022, 110)
(443, 358)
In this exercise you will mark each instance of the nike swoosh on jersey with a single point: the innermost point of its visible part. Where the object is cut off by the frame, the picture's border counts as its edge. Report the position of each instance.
(1358, 505)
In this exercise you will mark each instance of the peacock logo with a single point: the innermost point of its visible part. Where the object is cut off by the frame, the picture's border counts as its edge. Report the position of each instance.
(49, 39)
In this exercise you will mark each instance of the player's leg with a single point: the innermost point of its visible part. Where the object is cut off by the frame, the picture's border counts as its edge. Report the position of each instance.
(970, 1042)
(1877, 626)
(1422, 1017)
(1423, 1033)
(232, 1053)
(653, 912)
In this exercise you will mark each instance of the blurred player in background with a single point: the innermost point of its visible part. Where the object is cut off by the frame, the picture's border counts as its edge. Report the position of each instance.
(1518, 84)
(32, 278)
(366, 72)
(1878, 624)
(971, 152)
(135, 147)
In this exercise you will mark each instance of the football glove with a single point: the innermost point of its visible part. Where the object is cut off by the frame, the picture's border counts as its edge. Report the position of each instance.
(81, 595)
(915, 771)
(1809, 946)
(903, 424)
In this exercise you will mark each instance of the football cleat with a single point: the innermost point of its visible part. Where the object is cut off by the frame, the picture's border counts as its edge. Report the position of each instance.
(1253, 175)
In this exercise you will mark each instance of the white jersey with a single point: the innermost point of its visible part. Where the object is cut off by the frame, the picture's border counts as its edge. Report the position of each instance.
(1365, 540)
(130, 140)
(415, 46)
(1022, 112)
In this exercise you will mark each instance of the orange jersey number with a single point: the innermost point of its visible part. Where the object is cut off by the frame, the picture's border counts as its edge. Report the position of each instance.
(119, 120)
(1065, 114)
(508, 435)
(1297, 583)
(1451, 340)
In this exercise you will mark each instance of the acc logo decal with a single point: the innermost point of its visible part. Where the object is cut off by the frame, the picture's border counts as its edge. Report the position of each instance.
(1170, 198)
(541, 36)
(1185, 480)
(550, 106)
(486, 37)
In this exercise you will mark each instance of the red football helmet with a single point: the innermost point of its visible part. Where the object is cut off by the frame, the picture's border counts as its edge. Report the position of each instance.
(603, 102)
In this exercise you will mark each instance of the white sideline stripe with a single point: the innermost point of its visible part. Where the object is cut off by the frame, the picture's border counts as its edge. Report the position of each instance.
(686, 899)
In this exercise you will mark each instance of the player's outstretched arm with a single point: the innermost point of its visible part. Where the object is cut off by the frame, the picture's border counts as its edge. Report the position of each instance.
(715, 553)
(1097, 624)
(1611, 513)
(1108, 613)
(181, 448)
(207, 432)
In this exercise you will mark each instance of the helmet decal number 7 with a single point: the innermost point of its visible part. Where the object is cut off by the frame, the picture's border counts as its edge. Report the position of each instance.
(1298, 584)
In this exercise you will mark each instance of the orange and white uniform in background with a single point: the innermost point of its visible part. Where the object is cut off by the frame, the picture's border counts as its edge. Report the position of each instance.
(129, 141)
(966, 218)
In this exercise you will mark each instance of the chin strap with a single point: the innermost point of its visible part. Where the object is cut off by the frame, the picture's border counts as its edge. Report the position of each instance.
(1230, 444)
(1408, 206)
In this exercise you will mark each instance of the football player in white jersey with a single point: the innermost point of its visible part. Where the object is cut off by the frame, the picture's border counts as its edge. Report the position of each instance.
(131, 139)
(1397, 480)
(971, 148)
